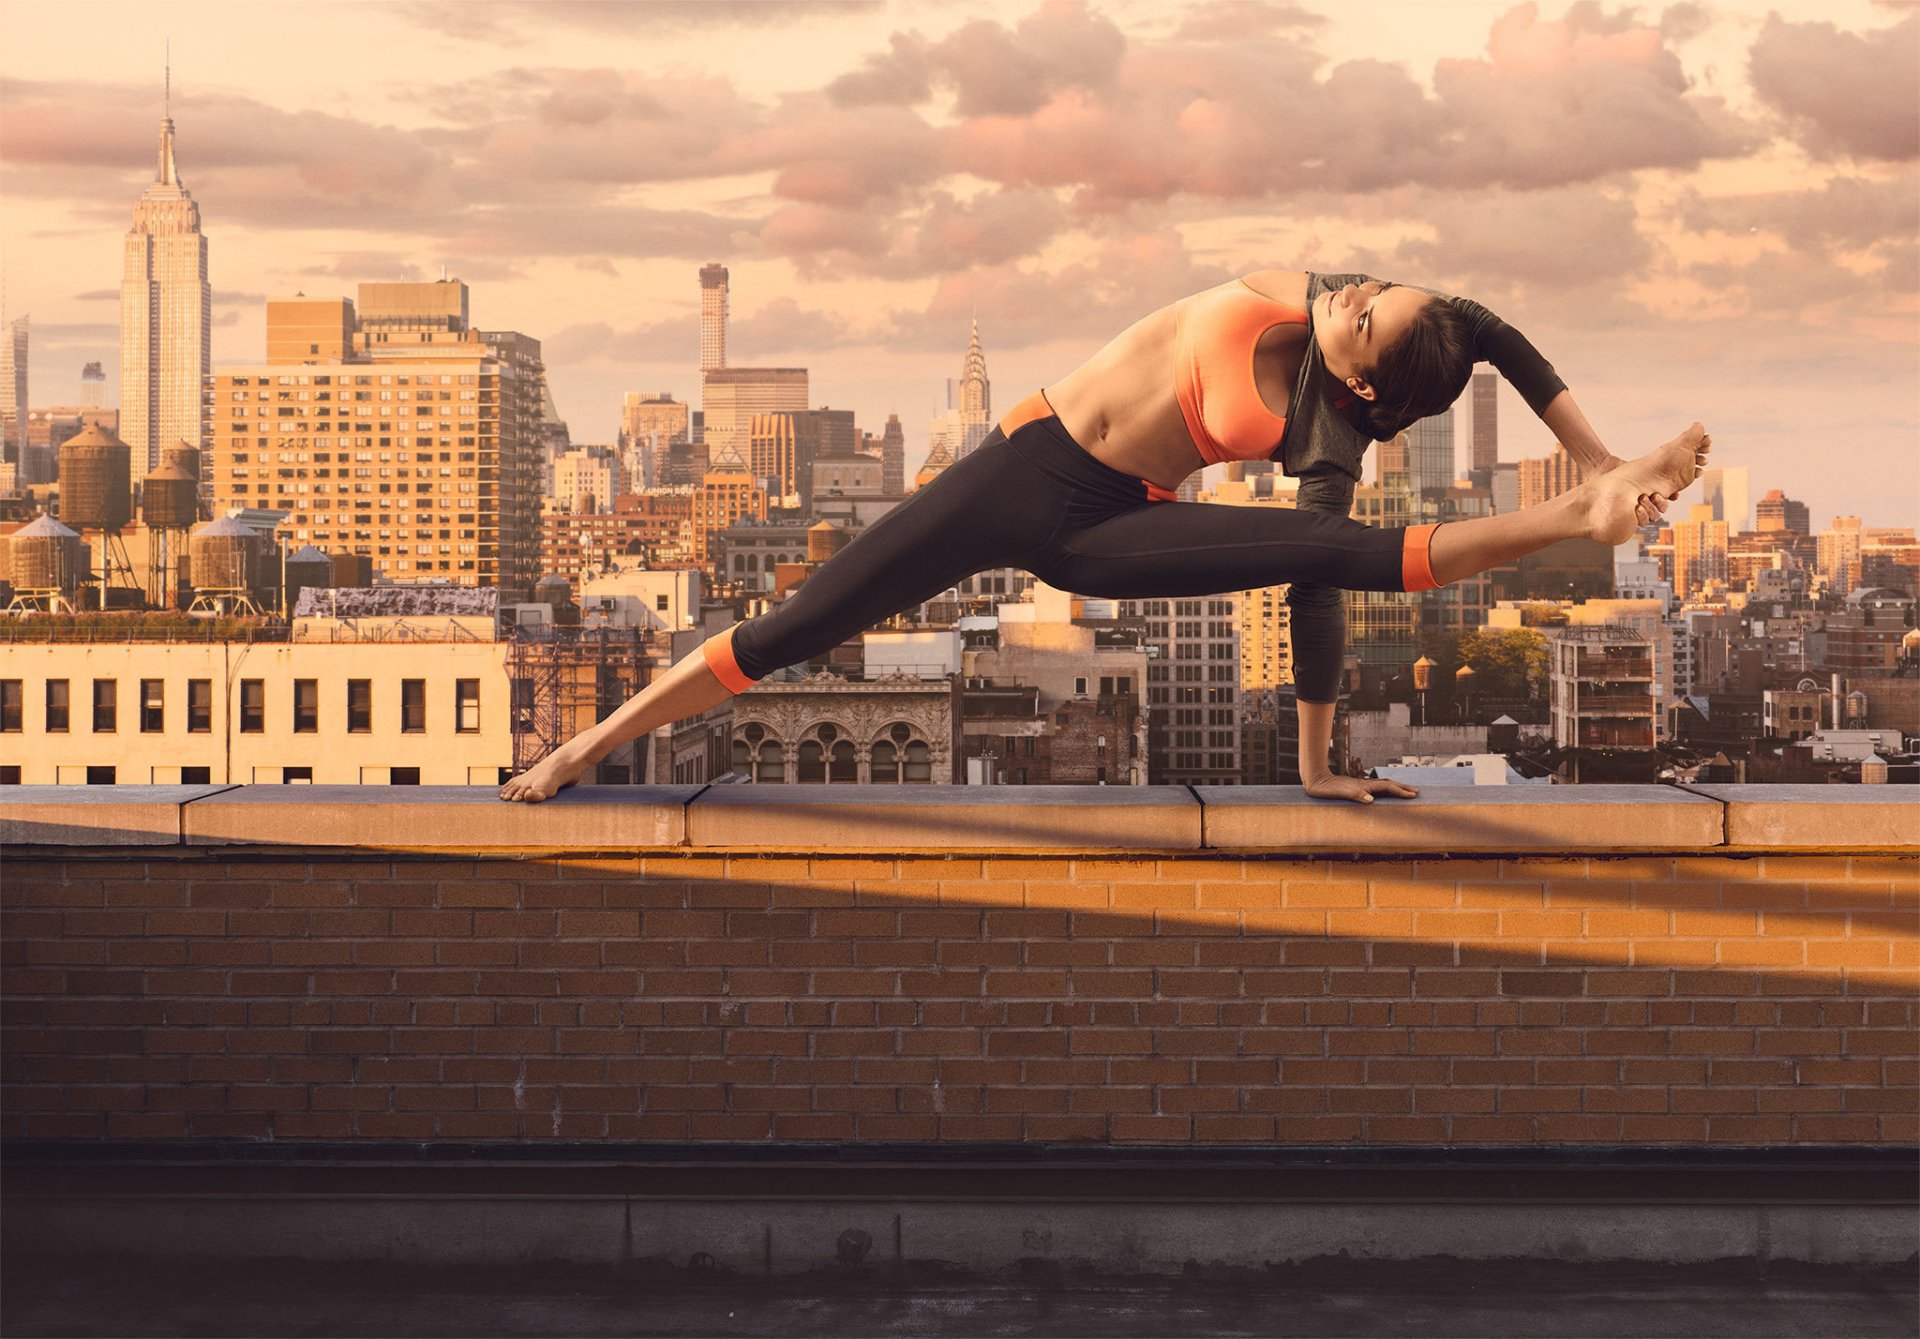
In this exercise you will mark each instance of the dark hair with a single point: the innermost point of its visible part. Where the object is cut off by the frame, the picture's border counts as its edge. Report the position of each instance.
(1420, 374)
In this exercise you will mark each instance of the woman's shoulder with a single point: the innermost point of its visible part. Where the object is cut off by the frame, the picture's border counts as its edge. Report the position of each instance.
(1288, 286)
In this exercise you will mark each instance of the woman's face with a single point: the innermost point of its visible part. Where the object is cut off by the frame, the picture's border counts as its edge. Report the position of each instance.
(1353, 324)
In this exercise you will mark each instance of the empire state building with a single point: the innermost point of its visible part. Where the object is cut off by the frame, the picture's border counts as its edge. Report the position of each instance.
(166, 326)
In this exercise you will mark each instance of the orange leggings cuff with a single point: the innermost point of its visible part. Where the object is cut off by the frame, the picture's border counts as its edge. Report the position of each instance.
(718, 650)
(1416, 567)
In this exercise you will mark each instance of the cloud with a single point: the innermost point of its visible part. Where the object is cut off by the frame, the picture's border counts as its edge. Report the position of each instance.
(1125, 275)
(936, 233)
(1249, 117)
(1235, 20)
(1500, 240)
(1848, 93)
(991, 69)
(75, 331)
(506, 20)
(368, 267)
(780, 329)
(1846, 211)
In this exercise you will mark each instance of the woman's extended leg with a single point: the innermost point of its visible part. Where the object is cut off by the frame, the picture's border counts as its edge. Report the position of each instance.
(1187, 548)
(988, 510)
(1602, 508)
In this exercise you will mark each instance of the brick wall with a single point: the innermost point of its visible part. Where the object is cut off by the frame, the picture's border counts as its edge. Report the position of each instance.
(1747, 999)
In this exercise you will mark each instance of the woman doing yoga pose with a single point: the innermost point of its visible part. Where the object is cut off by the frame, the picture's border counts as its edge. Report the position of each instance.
(1076, 484)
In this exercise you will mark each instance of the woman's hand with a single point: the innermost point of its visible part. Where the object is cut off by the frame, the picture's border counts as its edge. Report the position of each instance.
(1333, 786)
(1649, 507)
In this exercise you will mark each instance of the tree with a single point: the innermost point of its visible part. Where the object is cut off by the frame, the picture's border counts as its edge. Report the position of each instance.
(1507, 662)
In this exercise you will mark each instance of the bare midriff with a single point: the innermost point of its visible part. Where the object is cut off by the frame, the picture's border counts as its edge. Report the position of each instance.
(1121, 405)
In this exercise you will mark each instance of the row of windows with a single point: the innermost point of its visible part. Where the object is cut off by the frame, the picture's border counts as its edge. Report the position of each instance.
(58, 717)
(324, 397)
(386, 379)
(203, 776)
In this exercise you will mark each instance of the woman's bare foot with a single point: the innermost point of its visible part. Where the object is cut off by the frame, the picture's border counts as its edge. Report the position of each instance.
(1663, 472)
(545, 779)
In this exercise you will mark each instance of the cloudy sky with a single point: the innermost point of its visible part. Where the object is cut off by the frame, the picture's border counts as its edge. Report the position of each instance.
(1696, 210)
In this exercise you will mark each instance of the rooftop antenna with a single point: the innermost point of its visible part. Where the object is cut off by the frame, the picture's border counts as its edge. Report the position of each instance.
(169, 94)
(443, 272)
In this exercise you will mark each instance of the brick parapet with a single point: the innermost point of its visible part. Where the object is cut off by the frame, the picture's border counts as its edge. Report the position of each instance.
(1738, 994)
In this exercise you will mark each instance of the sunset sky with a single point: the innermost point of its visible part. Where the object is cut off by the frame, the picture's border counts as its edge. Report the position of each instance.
(1695, 210)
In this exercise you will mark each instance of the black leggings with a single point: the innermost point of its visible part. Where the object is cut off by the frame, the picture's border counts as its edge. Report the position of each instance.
(1034, 499)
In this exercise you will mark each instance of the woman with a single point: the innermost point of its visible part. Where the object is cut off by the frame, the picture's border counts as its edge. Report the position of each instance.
(1076, 485)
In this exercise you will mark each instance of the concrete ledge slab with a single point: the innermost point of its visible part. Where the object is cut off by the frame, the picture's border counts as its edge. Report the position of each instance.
(949, 818)
(749, 1237)
(95, 815)
(1463, 818)
(1852, 818)
(385, 817)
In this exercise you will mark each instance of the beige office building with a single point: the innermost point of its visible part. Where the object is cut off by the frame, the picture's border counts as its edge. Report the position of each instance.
(348, 713)
(396, 433)
(653, 419)
(731, 396)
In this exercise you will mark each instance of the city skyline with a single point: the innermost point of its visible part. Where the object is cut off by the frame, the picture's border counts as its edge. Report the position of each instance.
(899, 166)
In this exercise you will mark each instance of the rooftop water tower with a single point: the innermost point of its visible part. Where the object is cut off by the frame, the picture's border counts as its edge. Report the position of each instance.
(96, 494)
(224, 555)
(170, 505)
(49, 562)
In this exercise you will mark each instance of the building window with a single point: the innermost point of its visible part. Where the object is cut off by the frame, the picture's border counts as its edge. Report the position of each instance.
(413, 708)
(296, 774)
(12, 694)
(199, 706)
(153, 710)
(196, 776)
(9, 775)
(403, 776)
(100, 776)
(466, 710)
(58, 707)
(104, 701)
(306, 706)
(253, 706)
(359, 706)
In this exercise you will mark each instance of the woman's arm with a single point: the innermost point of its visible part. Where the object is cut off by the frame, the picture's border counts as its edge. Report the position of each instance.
(1514, 356)
(1571, 429)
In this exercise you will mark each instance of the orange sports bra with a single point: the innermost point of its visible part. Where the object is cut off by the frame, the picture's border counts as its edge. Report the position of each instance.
(1215, 335)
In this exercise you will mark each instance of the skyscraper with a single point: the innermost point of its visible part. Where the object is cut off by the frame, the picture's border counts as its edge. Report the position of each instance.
(166, 316)
(893, 457)
(969, 414)
(1840, 554)
(13, 398)
(713, 317)
(1777, 511)
(1699, 551)
(1486, 428)
(1544, 478)
(1724, 488)
(1430, 453)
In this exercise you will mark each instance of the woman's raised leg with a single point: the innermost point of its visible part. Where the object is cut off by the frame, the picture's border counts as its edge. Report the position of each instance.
(1602, 508)
(1187, 548)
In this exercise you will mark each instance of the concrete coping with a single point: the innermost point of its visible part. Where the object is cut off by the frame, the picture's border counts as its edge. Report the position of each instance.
(1267, 820)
